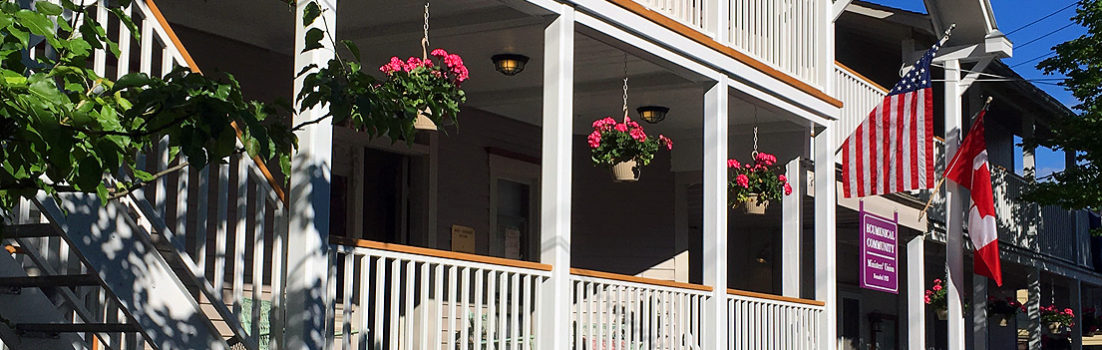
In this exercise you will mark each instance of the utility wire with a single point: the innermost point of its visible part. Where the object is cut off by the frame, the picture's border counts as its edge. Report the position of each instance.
(1043, 18)
(1050, 53)
(1047, 34)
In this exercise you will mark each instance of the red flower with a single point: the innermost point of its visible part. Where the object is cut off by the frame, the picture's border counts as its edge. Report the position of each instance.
(731, 163)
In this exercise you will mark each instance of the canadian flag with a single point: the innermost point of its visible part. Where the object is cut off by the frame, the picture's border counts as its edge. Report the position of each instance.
(970, 169)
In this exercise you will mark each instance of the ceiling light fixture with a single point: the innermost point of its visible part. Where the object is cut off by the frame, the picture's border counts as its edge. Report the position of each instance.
(509, 64)
(652, 114)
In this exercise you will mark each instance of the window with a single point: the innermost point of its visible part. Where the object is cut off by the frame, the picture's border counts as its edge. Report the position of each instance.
(514, 208)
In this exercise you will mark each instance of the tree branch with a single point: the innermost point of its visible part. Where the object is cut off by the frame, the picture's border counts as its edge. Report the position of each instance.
(134, 186)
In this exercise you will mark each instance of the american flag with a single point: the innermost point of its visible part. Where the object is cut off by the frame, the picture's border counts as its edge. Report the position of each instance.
(893, 149)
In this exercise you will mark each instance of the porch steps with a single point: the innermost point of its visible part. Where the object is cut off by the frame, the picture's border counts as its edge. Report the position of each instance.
(30, 231)
(113, 241)
(53, 330)
(30, 306)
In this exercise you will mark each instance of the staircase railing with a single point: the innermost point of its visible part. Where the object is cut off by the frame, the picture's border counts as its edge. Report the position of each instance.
(228, 219)
(222, 227)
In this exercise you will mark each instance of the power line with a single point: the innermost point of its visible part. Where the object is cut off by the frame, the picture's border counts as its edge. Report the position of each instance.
(1047, 34)
(1050, 53)
(1043, 18)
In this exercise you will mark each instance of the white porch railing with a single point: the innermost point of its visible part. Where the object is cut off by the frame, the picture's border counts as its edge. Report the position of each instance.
(758, 321)
(858, 95)
(614, 312)
(780, 33)
(399, 297)
(691, 13)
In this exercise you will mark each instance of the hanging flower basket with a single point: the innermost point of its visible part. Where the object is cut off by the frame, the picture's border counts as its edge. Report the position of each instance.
(625, 171)
(432, 89)
(1057, 321)
(754, 186)
(1004, 310)
(625, 147)
(937, 297)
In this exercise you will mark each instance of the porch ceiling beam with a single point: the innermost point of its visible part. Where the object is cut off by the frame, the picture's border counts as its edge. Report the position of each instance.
(443, 27)
(686, 52)
(639, 84)
(839, 7)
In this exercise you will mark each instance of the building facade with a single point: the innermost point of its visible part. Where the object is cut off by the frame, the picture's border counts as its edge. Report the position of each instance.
(499, 232)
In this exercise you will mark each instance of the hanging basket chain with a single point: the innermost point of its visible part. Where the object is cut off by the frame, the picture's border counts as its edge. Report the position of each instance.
(425, 38)
(754, 154)
(625, 107)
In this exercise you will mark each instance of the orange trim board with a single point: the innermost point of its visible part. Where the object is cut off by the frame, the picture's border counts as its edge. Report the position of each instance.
(195, 68)
(775, 297)
(636, 279)
(362, 243)
(699, 37)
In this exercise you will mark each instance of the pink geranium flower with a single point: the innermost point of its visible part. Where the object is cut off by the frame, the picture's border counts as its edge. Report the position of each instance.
(787, 189)
(621, 127)
(731, 163)
(743, 181)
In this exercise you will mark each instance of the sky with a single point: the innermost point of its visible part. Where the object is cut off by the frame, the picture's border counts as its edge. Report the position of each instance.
(1030, 43)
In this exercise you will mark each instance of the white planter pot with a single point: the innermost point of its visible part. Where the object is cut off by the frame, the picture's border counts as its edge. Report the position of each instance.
(625, 171)
(755, 206)
(423, 122)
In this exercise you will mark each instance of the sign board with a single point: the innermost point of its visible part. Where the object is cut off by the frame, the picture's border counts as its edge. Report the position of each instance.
(879, 252)
(512, 243)
(463, 239)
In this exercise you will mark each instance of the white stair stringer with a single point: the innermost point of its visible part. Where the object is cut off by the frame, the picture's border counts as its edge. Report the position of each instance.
(30, 305)
(108, 240)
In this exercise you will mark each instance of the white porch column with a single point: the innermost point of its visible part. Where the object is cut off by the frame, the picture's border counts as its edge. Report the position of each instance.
(979, 311)
(792, 229)
(715, 214)
(954, 249)
(558, 106)
(308, 232)
(1075, 297)
(916, 286)
(1033, 307)
(826, 250)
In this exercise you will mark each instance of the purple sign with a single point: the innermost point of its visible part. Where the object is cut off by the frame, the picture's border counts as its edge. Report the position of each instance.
(879, 258)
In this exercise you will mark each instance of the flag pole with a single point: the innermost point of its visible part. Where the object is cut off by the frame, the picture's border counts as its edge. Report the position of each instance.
(941, 181)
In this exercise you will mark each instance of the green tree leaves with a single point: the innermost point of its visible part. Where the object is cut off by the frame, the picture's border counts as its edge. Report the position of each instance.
(1078, 186)
(65, 128)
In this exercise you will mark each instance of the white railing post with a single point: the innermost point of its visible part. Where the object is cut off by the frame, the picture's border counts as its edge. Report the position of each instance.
(792, 227)
(916, 280)
(824, 20)
(309, 200)
(954, 249)
(558, 107)
(715, 213)
(826, 255)
(717, 15)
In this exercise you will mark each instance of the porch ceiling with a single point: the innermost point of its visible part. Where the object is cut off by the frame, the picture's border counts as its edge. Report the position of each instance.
(477, 30)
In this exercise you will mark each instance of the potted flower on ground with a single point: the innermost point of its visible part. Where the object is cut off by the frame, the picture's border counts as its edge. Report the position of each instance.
(1056, 320)
(624, 146)
(937, 297)
(428, 90)
(1004, 310)
(754, 186)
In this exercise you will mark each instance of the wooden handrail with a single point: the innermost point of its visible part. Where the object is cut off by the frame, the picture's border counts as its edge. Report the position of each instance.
(701, 38)
(860, 76)
(637, 279)
(436, 253)
(774, 297)
(195, 68)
